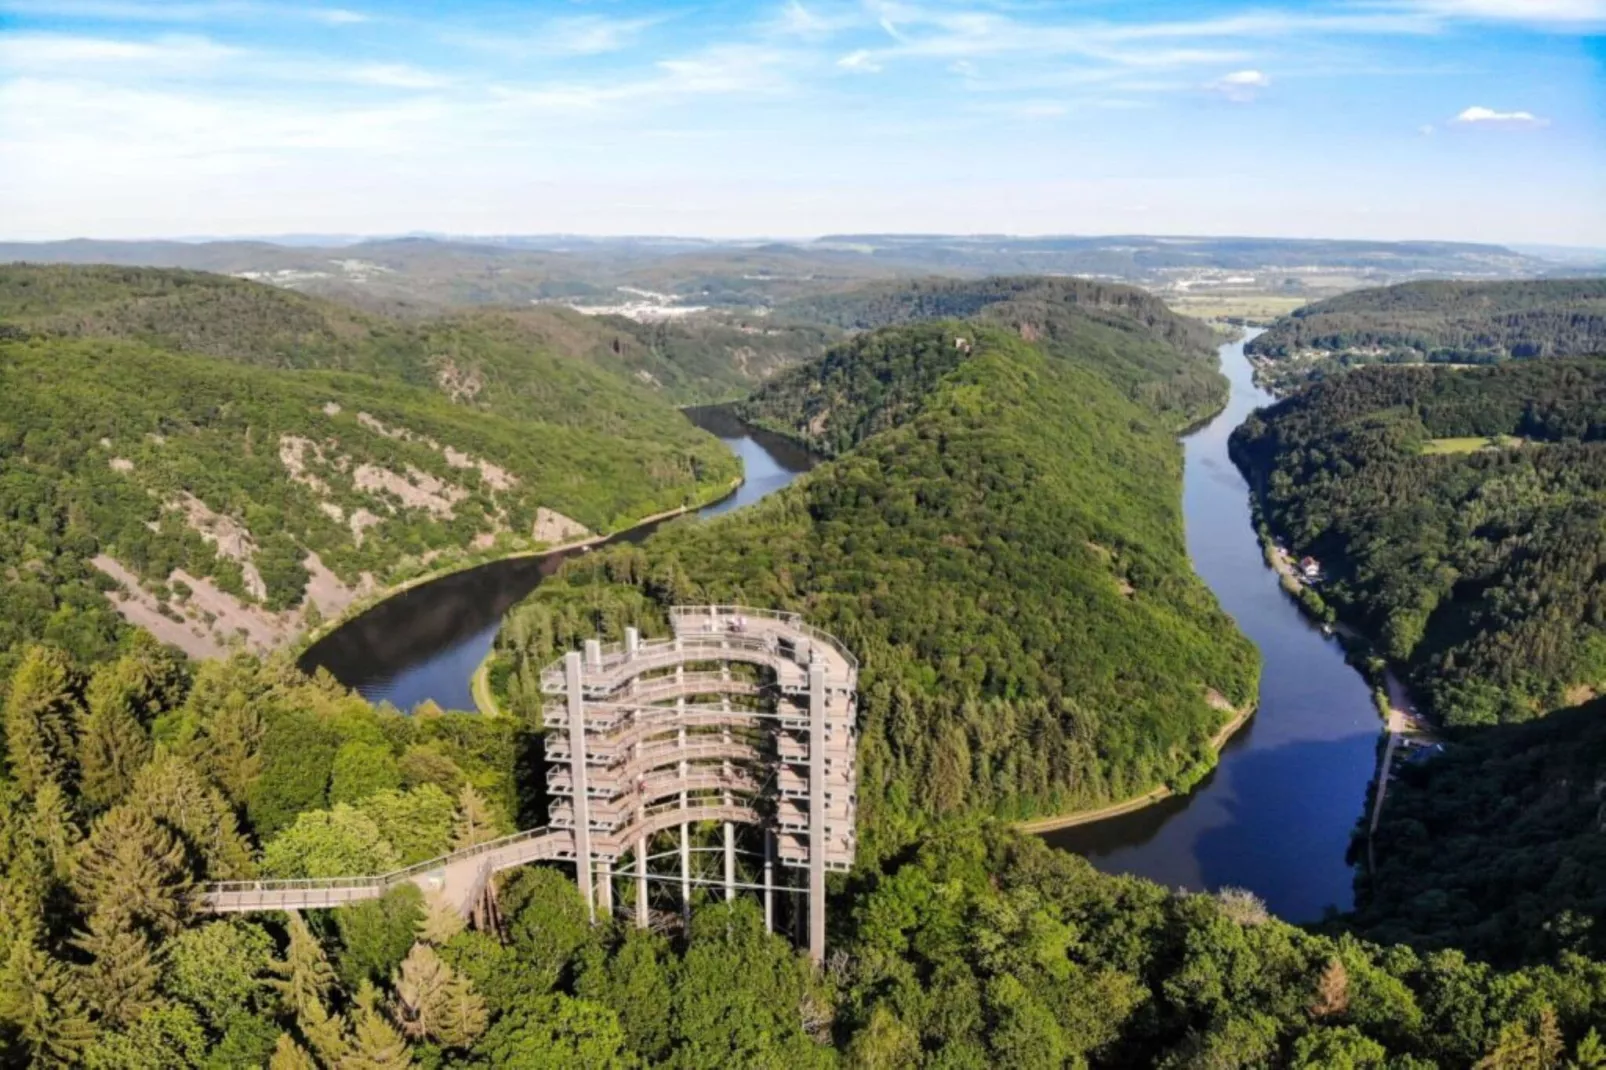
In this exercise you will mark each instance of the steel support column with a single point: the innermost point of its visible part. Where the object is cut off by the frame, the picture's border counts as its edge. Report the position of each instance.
(641, 882)
(817, 813)
(574, 680)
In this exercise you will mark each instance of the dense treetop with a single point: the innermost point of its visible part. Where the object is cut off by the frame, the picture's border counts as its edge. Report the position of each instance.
(1481, 572)
(1450, 322)
(1000, 542)
(1161, 360)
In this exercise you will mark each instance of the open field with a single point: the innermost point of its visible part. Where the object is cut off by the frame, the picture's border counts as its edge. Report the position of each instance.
(1471, 444)
(1248, 306)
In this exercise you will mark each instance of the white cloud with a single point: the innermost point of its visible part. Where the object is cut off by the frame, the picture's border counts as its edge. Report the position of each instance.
(179, 11)
(394, 76)
(1241, 86)
(798, 20)
(337, 16)
(1559, 13)
(51, 52)
(713, 71)
(859, 60)
(587, 35)
(1478, 115)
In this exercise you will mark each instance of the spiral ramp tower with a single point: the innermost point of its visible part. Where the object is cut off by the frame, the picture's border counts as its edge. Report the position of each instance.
(744, 717)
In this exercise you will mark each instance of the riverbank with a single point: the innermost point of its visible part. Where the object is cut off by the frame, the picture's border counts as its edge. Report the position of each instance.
(1137, 802)
(479, 686)
(305, 641)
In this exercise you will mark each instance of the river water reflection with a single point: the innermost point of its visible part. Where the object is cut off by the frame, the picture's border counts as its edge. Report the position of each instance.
(425, 644)
(1276, 815)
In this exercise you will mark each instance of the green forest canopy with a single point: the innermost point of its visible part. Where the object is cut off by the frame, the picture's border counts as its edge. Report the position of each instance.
(1453, 322)
(1162, 361)
(1483, 574)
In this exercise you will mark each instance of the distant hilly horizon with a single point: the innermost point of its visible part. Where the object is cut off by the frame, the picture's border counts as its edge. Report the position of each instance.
(296, 239)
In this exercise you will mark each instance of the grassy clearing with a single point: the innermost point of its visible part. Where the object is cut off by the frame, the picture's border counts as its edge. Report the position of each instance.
(1246, 306)
(1471, 444)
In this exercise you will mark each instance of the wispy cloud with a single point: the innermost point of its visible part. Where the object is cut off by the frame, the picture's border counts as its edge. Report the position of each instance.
(859, 60)
(713, 71)
(1555, 13)
(1241, 86)
(52, 52)
(1481, 116)
(187, 11)
(576, 35)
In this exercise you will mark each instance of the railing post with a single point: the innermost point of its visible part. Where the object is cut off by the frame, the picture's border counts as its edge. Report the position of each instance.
(593, 653)
(632, 640)
(730, 859)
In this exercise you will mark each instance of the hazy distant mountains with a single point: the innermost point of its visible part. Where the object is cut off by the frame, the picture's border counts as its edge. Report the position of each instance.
(434, 271)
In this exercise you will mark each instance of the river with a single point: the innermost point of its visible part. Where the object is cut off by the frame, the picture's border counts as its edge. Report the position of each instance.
(1276, 814)
(424, 644)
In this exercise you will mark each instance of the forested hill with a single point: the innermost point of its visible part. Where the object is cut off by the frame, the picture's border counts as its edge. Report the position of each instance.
(526, 363)
(1159, 359)
(1460, 516)
(181, 442)
(1454, 322)
(1000, 541)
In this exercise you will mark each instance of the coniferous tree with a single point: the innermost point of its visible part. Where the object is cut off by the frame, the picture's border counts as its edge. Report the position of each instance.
(40, 714)
(466, 1014)
(325, 1032)
(40, 1001)
(435, 1003)
(132, 869)
(52, 826)
(440, 922)
(304, 977)
(288, 1055)
(475, 822)
(1332, 991)
(231, 750)
(170, 790)
(119, 981)
(420, 985)
(375, 1043)
(112, 743)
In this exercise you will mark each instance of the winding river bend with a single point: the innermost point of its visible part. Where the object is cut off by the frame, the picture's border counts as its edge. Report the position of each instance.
(1276, 814)
(424, 644)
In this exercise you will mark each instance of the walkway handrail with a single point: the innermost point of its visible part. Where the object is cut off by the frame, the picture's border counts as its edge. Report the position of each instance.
(792, 620)
(395, 877)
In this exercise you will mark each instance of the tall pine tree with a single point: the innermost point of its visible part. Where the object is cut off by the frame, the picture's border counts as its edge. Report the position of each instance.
(133, 869)
(40, 715)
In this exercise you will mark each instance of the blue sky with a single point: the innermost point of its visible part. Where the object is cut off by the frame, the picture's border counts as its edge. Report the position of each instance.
(1453, 119)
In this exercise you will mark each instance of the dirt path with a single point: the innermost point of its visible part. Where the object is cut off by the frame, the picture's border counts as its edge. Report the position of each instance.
(1398, 725)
